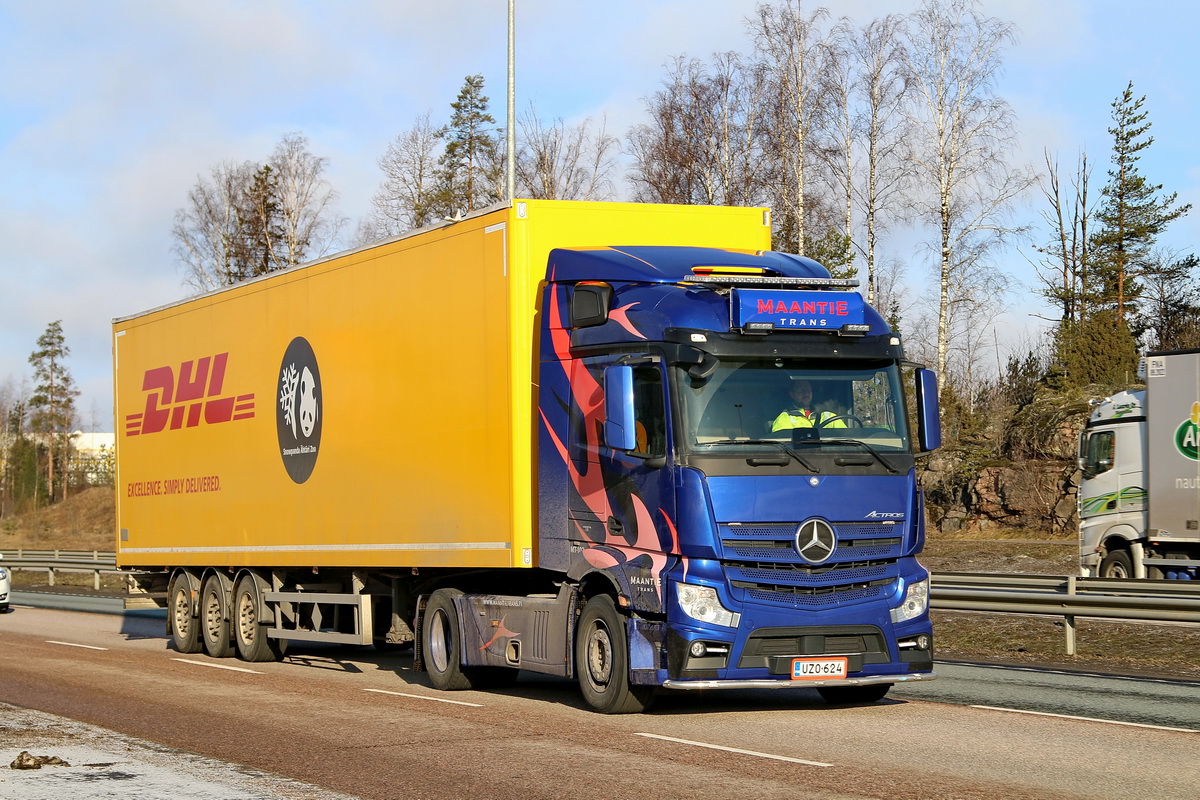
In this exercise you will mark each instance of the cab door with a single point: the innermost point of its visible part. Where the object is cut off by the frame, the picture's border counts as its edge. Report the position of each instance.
(638, 538)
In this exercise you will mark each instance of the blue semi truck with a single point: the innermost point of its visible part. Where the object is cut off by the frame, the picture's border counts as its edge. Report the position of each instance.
(614, 442)
(708, 546)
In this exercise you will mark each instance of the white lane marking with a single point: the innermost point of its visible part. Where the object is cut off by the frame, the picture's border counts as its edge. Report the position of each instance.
(72, 644)
(734, 750)
(425, 697)
(216, 666)
(1088, 719)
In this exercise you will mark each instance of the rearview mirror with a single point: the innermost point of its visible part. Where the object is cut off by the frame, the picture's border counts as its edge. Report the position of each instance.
(619, 431)
(929, 420)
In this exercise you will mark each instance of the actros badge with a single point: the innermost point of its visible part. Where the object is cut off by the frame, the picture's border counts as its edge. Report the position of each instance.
(299, 410)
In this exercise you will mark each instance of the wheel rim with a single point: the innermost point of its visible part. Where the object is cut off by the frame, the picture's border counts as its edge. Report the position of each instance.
(182, 617)
(247, 617)
(599, 655)
(439, 647)
(212, 614)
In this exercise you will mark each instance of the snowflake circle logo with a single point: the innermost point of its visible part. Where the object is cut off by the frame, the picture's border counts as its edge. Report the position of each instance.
(299, 411)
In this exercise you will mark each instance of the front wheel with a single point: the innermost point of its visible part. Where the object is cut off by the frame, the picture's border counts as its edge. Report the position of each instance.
(1117, 564)
(442, 644)
(602, 661)
(871, 693)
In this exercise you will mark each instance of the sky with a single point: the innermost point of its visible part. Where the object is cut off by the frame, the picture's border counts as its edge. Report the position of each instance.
(111, 111)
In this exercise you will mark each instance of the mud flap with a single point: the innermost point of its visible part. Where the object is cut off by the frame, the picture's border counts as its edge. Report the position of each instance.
(646, 650)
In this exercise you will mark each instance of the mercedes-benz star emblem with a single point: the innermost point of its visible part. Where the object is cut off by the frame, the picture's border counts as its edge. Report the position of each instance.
(815, 541)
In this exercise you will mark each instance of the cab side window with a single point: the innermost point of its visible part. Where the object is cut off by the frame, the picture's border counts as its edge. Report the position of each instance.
(1099, 456)
(649, 413)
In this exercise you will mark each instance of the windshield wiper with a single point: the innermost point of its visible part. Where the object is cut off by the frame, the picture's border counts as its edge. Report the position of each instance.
(861, 444)
(789, 451)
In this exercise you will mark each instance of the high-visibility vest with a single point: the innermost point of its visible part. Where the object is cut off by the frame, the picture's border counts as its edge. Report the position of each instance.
(803, 418)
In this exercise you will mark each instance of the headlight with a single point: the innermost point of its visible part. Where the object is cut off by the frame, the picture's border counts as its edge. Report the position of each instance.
(701, 603)
(3, 573)
(916, 602)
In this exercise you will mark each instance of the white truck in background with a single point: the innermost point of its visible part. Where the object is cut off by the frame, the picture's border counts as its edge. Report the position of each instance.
(1139, 497)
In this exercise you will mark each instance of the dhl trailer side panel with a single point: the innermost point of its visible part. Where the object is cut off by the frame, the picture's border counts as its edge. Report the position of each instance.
(373, 409)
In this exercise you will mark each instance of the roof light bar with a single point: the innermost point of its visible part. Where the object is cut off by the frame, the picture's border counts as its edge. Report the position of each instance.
(774, 280)
(731, 270)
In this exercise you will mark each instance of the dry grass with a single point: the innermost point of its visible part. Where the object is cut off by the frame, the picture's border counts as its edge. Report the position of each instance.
(84, 521)
(1101, 645)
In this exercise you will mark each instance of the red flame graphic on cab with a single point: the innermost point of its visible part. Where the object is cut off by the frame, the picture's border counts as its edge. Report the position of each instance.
(587, 395)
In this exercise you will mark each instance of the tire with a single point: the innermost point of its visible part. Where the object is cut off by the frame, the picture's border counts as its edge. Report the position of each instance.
(249, 630)
(214, 618)
(185, 628)
(1117, 564)
(602, 661)
(871, 693)
(441, 643)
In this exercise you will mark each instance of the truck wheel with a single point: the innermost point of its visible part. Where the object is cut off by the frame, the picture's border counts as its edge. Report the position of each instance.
(185, 628)
(441, 644)
(249, 629)
(872, 693)
(214, 618)
(1117, 564)
(602, 661)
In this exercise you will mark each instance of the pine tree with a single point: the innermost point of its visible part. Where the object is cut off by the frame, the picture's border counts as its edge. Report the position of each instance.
(259, 246)
(52, 405)
(471, 163)
(1099, 350)
(1131, 214)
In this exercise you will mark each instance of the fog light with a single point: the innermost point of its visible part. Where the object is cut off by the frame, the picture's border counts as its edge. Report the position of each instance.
(698, 649)
(922, 642)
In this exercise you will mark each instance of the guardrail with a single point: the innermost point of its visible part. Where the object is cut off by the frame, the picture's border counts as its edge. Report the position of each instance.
(1068, 597)
(96, 562)
(997, 593)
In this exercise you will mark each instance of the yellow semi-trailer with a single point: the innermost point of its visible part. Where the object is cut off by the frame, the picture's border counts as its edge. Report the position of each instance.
(507, 439)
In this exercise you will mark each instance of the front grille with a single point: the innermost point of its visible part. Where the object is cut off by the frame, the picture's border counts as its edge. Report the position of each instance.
(761, 561)
(865, 642)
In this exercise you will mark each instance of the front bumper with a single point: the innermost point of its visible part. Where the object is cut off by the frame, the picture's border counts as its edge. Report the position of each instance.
(868, 680)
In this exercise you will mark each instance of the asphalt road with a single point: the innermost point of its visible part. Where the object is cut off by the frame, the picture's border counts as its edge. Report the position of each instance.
(359, 722)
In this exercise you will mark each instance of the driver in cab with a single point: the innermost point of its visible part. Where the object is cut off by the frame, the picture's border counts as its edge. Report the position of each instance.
(801, 413)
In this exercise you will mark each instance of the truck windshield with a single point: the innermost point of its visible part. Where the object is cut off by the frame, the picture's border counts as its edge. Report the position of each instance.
(795, 409)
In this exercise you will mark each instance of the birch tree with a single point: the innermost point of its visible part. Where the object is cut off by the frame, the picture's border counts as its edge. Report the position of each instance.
(882, 90)
(836, 136)
(407, 198)
(963, 133)
(1064, 268)
(792, 48)
(305, 201)
(704, 141)
(249, 218)
(557, 162)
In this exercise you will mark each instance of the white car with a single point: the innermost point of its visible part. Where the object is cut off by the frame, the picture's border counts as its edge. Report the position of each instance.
(5, 589)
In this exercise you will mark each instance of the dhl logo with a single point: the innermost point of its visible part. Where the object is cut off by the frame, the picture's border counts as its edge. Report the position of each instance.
(196, 395)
